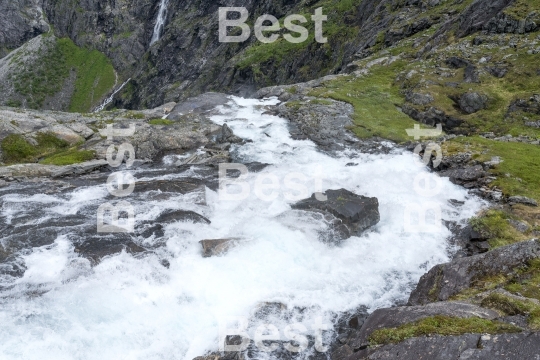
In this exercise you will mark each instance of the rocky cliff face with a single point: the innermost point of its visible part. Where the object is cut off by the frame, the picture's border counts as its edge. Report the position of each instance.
(189, 59)
(20, 21)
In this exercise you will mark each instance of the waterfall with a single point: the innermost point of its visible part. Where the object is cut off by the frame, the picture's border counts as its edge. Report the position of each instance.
(111, 97)
(160, 21)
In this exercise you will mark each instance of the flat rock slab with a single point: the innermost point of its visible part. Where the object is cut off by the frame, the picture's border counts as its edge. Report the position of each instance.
(446, 280)
(394, 317)
(357, 212)
(198, 104)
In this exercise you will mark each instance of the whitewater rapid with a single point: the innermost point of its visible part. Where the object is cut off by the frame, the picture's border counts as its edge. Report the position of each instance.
(133, 307)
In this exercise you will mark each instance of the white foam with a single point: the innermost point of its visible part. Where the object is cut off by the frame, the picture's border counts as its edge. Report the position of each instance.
(134, 308)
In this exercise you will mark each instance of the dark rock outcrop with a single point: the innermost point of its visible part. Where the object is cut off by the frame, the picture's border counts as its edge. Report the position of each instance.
(397, 316)
(446, 280)
(357, 213)
(432, 117)
(20, 21)
(472, 102)
(470, 346)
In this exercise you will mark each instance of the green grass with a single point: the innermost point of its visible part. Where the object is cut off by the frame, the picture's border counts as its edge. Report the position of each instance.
(16, 149)
(527, 283)
(520, 163)
(375, 100)
(72, 156)
(440, 325)
(50, 149)
(160, 122)
(511, 306)
(494, 225)
(94, 75)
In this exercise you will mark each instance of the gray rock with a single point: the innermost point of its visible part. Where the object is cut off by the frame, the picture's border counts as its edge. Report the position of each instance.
(356, 212)
(419, 99)
(446, 280)
(471, 74)
(522, 200)
(432, 116)
(519, 225)
(518, 346)
(171, 216)
(217, 247)
(472, 102)
(198, 104)
(324, 124)
(20, 21)
(466, 174)
(226, 135)
(397, 316)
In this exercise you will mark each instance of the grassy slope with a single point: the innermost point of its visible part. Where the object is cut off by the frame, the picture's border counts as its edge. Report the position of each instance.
(94, 76)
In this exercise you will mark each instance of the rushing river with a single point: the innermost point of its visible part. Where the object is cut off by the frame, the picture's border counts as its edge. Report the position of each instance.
(133, 307)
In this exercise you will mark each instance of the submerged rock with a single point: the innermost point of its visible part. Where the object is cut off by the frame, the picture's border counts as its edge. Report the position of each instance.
(216, 247)
(358, 213)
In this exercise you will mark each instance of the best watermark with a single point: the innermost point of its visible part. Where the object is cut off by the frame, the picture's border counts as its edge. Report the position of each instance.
(267, 33)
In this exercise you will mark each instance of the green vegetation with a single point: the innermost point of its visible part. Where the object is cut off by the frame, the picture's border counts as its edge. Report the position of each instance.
(494, 225)
(160, 121)
(517, 174)
(440, 325)
(61, 61)
(72, 156)
(527, 282)
(514, 306)
(16, 149)
(375, 100)
(49, 148)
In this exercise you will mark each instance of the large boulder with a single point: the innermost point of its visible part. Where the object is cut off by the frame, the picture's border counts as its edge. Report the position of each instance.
(472, 102)
(446, 280)
(397, 316)
(356, 212)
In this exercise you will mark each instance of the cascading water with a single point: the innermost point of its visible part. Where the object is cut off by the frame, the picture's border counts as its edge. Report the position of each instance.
(160, 21)
(134, 307)
(109, 99)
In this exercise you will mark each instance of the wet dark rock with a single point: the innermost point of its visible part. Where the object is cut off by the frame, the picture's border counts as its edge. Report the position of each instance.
(357, 213)
(472, 102)
(95, 248)
(217, 247)
(171, 216)
(150, 230)
(227, 136)
(397, 316)
(446, 280)
(181, 185)
(522, 200)
(342, 353)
